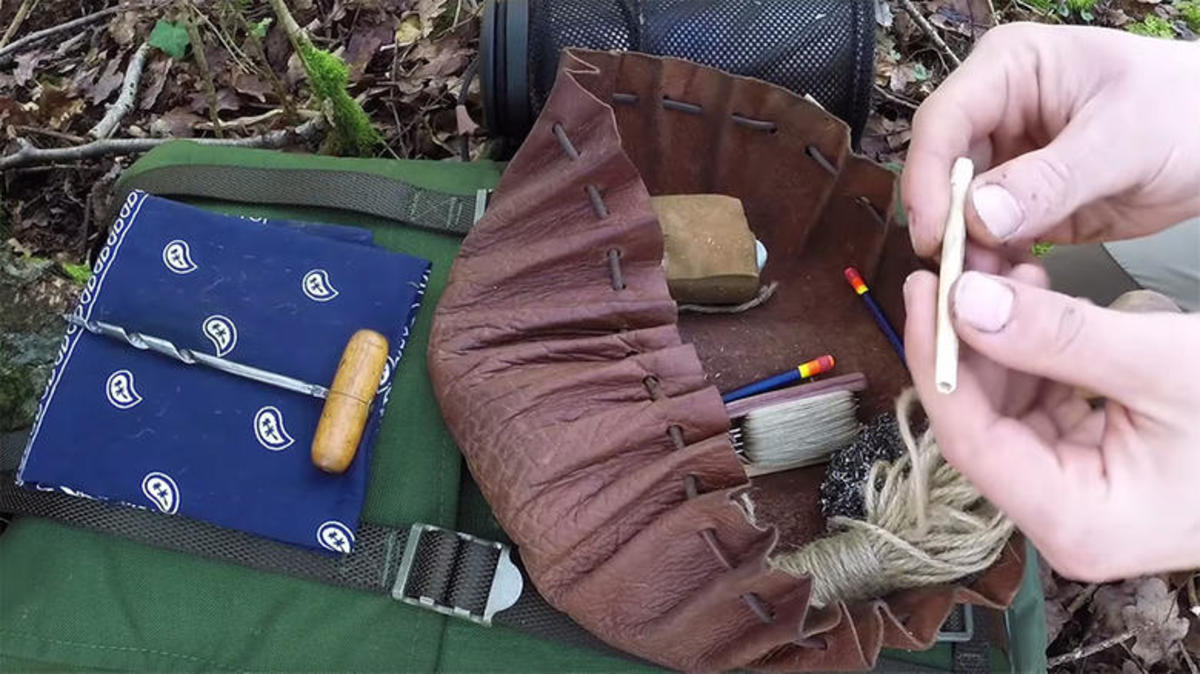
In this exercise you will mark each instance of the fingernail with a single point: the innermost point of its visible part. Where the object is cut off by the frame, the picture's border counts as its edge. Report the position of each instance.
(983, 302)
(907, 287)
(1000, 212)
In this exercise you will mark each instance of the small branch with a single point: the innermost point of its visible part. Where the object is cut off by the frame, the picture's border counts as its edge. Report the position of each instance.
(205, 75)
(29, 155)
(243, 123)
(1082, 598)
(239, 57)
(117, 111)
(294, 32)
(1188, 658)
(22, 12)
(902, 101)
(1088, 651)
(264, 65)
(17, 45)
(934, 37)
(78, 166)
(69, 137)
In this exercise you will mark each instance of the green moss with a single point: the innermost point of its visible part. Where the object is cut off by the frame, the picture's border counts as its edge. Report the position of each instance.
(1041, 248)
(1081, 7)
(79, 273)
(329, 77)
(1191, 14)
(1152, 26)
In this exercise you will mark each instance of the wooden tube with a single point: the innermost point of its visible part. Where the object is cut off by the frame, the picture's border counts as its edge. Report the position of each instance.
(349, 401)
(954, 239)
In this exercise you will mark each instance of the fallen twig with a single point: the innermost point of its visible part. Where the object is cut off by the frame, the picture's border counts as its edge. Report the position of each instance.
(1188, 658)
(69, 137)
(22, 12)
(293, 30)
(264, 66)
(902, 101)
(205, 75)
(243, 123)
(46, 168)
(1082, 598)
(1087, 651)
(117, 111)
(930, 31)
(29, 155)
(37, 36)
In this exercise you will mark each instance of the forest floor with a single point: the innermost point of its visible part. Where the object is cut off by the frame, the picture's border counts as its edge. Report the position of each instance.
(226, 68)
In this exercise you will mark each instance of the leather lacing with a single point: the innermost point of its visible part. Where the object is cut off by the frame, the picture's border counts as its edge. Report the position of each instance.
(812, 151)
(696, 109)
(691, 484)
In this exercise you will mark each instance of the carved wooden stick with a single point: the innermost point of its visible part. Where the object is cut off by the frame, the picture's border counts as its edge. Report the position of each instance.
(954, 240)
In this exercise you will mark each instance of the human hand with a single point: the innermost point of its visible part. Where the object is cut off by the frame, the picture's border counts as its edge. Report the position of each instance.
(1091, 134)
(1104, 493)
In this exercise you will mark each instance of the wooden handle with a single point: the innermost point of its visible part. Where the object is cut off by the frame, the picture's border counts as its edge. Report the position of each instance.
(349, 402)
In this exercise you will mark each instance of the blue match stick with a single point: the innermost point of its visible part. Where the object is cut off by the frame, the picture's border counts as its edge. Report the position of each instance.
(812, 368)
(860, 287)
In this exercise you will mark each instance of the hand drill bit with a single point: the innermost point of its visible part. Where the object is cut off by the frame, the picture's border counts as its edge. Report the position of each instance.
(167, 348)
(347, 400)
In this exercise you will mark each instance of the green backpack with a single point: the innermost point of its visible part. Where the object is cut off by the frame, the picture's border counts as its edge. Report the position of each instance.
(91, 586)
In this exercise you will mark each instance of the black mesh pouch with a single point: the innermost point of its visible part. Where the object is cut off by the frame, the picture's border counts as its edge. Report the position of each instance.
(823, 48)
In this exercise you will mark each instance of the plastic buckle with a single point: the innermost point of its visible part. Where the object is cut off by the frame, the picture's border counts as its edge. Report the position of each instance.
(482, 196)
(507, 582)
(965, 632)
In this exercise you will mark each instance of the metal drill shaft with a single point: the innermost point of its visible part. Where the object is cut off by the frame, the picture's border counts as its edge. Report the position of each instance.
(166, 348)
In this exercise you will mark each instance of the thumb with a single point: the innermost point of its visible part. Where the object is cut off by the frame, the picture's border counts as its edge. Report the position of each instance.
(1116, 354)
(1027, 196)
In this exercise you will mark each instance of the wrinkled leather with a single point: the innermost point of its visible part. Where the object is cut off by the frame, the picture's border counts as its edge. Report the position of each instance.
(561, 390)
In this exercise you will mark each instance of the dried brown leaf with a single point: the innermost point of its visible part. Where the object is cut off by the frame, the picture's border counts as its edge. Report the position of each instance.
(177, 123)
(226, 100)
(154, 78)
(14, 112)
(278, 48)
(429, 11)
(27, 63)
(107, 83)
(123, 27)
(905, 74)
(409, 31)
(1144, 605)
(57, 107)
(251, 85)
(364, 44)
(294, 73)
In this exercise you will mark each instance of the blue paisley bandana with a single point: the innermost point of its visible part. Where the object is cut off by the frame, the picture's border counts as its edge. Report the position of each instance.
(120, 424)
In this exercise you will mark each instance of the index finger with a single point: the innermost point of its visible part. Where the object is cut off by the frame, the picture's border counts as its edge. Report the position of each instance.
(955, 121)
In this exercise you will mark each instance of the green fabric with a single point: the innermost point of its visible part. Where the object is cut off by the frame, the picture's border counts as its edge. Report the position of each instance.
(71, 599)
(444, 176)
(75, 599)
(1027, 619)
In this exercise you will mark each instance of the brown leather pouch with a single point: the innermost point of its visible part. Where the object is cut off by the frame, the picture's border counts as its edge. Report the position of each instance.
(589, 410)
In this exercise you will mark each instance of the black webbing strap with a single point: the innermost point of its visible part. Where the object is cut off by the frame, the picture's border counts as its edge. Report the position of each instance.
(441, 570)
(445, 571)
(350, 191)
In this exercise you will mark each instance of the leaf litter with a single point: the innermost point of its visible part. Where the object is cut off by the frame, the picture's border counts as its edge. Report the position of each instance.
(407, 59)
